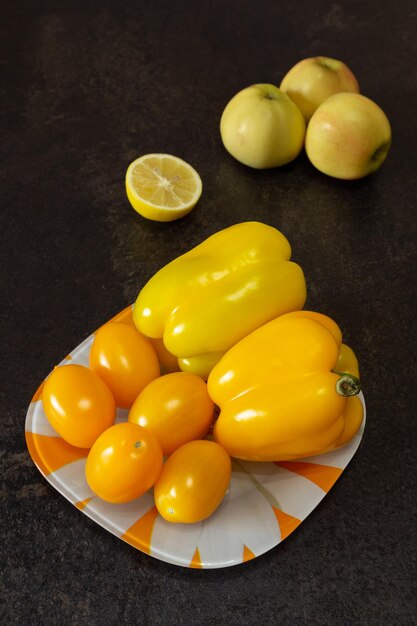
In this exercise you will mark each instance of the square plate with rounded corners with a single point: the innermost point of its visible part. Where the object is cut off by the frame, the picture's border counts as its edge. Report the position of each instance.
(264, 504)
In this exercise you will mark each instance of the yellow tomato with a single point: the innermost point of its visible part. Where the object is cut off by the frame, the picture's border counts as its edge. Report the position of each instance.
(78, 404)
(123, 463)
(125, 360)
(347, 362)
(193, 482)
(176, 408)
(168, 361)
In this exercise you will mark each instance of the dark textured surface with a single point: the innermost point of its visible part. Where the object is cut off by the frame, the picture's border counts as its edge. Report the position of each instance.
(90, 86)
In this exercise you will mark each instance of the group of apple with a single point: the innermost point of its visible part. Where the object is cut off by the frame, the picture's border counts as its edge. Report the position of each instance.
(317, 106)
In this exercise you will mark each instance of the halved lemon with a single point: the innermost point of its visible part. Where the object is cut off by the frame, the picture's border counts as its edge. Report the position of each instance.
(162, 187)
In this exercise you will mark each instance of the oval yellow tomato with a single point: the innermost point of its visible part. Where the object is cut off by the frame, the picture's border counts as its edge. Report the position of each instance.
(347, 363)
(193, 482)
(168, 361)
(176, 408)
(125, 360)
(123, 463)
(78, 404)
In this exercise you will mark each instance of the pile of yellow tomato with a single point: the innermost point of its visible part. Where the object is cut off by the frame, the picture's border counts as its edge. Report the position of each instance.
(168, 414)
(229, 311)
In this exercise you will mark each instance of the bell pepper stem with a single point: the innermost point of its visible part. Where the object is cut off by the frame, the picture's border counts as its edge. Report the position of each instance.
(348, 385)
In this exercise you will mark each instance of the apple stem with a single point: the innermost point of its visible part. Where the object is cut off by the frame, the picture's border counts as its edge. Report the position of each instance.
(323, 62)
(381, 151)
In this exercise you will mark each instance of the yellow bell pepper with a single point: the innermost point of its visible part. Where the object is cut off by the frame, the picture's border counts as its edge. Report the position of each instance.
(280, 393)
(209, 298)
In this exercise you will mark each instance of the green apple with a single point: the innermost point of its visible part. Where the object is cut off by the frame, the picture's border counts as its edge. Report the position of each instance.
(311, 81)
(348, 136)
(262, 127)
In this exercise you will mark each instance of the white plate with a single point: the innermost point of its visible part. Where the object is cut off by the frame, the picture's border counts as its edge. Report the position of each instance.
(264, 504)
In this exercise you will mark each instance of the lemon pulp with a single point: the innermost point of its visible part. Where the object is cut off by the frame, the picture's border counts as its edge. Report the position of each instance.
(162, 187)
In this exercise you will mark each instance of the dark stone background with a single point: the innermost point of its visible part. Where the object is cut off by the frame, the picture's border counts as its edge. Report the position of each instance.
(88, 87)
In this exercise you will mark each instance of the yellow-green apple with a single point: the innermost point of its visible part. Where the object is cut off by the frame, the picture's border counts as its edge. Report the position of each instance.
(262, 127)
(311, 81)
(348, 136)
